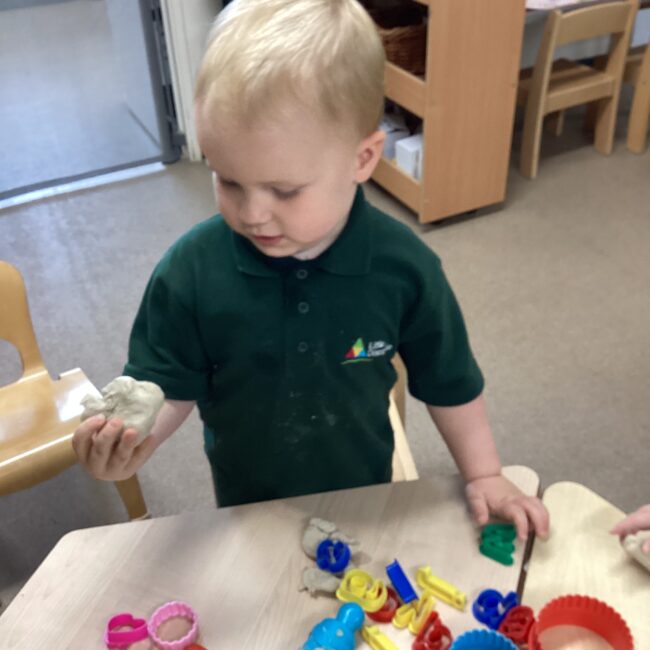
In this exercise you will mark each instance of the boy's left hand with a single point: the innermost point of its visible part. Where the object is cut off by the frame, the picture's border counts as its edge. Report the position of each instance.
(498, 496)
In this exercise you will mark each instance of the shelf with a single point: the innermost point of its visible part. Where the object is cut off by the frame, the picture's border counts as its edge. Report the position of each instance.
(398, 183)
(405, 89)
(466, 101)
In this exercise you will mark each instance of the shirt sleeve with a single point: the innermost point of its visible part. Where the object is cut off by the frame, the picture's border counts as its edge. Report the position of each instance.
(165, 346)
(434, 346)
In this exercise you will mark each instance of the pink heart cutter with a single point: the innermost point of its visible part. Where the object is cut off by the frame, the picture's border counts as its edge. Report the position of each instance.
(115, 638)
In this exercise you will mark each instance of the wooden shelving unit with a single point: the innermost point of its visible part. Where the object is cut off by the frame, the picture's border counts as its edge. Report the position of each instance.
(467, 104)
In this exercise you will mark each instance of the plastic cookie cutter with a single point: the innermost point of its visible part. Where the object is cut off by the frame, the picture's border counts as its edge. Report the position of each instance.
(497, 542)
(173, 609)
(585, 612)
(333, 556)
(433, 635)
(376, 639)
(122, 630)
(401, 582)
(360, 587)
(336, 633)
(482, 640)
(415, 614)
(491, 607)
(516, 624)
(440, 588)
(387, 612)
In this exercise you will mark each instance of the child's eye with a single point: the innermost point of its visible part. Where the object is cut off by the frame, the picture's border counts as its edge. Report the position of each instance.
(285, 196)
(226, 183)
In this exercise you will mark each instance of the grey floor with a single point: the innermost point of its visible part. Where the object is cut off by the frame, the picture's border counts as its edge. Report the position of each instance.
(554, 287)
(63, 110)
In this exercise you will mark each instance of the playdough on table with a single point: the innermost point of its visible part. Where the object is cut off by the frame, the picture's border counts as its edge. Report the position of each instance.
(136, 403)
(317, 531)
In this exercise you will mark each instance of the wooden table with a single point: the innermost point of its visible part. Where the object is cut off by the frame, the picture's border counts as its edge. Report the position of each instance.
(581, 557)
(240, 568)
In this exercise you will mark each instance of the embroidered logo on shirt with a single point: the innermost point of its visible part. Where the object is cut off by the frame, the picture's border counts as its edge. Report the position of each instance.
(358, 351)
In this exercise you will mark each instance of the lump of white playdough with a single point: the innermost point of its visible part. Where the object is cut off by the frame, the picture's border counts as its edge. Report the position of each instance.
(632, 544)
(314, 580)
(136, 403)
(321, 529)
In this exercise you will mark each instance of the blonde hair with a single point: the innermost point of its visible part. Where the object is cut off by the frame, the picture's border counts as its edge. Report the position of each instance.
(269, 55)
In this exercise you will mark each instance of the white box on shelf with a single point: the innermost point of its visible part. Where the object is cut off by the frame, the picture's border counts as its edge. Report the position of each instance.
(408, 155)
(395, 129)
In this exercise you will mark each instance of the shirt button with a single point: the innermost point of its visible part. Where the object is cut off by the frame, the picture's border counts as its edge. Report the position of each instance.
(303, 307)
(301, 274)
(302, 347)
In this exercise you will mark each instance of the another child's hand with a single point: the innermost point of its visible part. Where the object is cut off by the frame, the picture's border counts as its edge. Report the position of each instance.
(498, 496)
(107, 452)
(634, 523)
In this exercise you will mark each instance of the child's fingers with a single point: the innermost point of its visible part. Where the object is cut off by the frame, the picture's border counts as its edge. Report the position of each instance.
(645, 547)
(141, 453)
(123, 451)
(103, 444)
(632, 524)
(478, 505)
(623, 528)
(538, 515)
(515, 512)
(82, 439)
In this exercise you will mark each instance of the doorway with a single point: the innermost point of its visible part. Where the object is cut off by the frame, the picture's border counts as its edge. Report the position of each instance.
(85, 90)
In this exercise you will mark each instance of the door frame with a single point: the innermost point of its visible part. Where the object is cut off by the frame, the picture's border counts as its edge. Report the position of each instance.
(187, 24)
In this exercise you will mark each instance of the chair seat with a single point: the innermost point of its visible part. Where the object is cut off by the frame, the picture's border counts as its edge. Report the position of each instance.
(39, 417)
(571, 84)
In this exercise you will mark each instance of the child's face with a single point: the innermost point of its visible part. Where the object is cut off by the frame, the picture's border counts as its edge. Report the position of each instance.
(286, 185)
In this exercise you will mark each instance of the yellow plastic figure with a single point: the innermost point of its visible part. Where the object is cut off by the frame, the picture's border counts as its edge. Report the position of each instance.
(440, 588)
(360, 587)
(415, 614)
(376, 639)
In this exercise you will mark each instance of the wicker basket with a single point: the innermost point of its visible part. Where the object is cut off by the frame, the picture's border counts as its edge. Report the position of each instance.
(404, 36)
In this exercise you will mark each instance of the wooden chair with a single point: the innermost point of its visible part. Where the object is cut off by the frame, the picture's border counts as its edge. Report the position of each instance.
(38, 415)
(403, 464)
(637, 73)
(555, 86)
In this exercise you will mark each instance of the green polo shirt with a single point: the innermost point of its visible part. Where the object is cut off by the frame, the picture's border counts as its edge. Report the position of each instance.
(290, 361)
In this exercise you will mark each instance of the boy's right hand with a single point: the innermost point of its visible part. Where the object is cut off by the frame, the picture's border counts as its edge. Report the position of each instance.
(109, 453)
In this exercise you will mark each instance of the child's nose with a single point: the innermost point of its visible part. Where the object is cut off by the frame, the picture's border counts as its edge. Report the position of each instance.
(253, 212)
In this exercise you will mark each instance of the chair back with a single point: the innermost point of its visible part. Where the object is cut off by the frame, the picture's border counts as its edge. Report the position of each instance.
(592, 21)
(575, 24)
(15, 321)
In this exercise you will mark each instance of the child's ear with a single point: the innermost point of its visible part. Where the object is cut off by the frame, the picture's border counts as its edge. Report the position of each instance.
(368, 155)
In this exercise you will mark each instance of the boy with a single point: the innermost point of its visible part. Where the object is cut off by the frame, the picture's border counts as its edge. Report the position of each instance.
(280, 317)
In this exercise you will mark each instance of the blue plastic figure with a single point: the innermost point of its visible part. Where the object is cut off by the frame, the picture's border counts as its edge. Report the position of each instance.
(491, 607)
(401, 583)
(333, 556)
(337, 633)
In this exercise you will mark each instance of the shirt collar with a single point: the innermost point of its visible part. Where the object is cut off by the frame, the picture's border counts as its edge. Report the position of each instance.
(348, 255)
